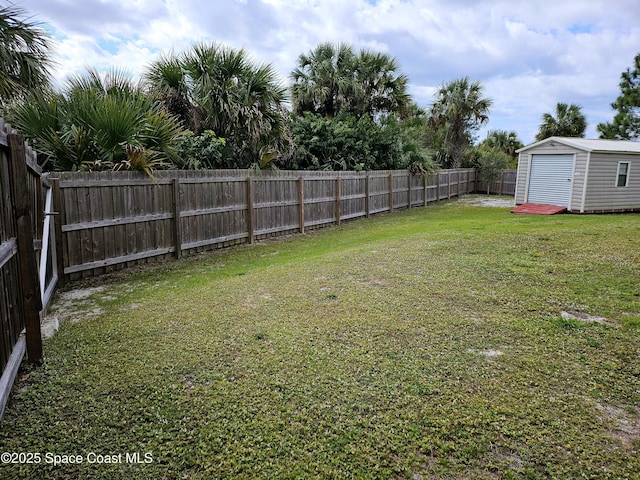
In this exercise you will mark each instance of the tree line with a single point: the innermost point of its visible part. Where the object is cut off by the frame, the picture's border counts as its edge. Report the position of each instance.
(212, 106)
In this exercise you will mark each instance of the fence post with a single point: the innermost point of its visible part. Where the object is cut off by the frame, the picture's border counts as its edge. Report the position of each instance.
(250, 209)
(448, 184)
(468, 181)
(177, 230)
(391, 192)
(501, 182)
(409, 194)
(29, 279)
(425, 183)
(367, 208)
(338, 198)
(301, 202)
(58, 205)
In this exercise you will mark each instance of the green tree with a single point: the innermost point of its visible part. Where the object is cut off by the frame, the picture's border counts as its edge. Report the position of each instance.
(459, 109)
(97, 123)
(204, 151)
(349, 143)
(217, 88)
(331, 79)
(490, 162)
(341, 143)
(352, 111)
(24, 55)
(379, 87)
(504, 141)
(626, 122)
(569, 121)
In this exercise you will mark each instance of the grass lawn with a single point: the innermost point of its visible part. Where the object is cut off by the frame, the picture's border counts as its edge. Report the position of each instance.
(428, 344)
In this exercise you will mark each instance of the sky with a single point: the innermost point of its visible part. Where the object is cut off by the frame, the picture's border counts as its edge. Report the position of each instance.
(528, 54)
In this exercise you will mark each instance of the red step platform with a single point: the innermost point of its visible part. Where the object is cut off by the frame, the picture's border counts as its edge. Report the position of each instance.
(538, 209)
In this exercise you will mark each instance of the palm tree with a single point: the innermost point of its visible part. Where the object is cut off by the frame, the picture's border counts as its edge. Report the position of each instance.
(568, 122)
(168, 81)
(379, 86)
(459, 108)
(96, 123)
(24, 55)
(323, 81)
(332, 78)
(503, 140)
(214, 87)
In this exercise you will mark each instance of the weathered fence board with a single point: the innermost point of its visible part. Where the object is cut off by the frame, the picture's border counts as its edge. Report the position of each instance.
(27, 257)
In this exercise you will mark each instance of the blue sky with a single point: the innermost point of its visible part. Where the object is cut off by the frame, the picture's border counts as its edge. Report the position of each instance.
(529, 55)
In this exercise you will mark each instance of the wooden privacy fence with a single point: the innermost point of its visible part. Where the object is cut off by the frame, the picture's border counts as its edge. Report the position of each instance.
(27, 262)
(112, 220)
(504, 185)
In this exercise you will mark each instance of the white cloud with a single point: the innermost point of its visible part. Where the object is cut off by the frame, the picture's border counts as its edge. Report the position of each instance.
(530, 55)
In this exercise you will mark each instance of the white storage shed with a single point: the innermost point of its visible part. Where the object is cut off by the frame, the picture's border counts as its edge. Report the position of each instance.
(585, 176)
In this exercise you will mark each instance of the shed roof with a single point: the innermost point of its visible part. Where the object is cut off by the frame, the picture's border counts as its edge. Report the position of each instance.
(590, 145)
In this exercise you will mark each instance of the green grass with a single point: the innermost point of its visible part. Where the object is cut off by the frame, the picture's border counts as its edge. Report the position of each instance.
(425, 344)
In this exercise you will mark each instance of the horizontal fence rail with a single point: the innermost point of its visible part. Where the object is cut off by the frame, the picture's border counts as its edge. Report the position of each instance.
(112, 220)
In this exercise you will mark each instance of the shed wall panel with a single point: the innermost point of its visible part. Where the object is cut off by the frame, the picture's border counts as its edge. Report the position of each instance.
(579, 174)
(602, 193)
(521, 178)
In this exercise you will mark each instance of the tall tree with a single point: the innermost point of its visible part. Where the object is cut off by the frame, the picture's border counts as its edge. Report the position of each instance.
(379, 87)
(626, 123)
(460, 108)
(333, 78)
(569, 121)
(214, 87)
(24, 54)
(323, 81)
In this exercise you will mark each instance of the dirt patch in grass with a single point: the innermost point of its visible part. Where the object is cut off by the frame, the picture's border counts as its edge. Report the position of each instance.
(583, 317)
(623, 424)
(487, 201)
(488, 354)
(72, 306)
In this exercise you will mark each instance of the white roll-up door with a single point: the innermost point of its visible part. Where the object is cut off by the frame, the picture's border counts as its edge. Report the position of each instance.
(550, 179)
